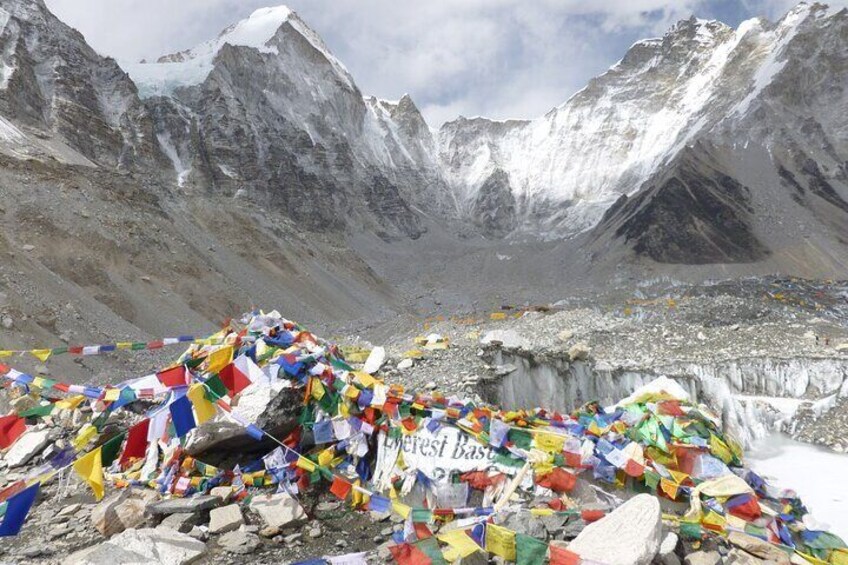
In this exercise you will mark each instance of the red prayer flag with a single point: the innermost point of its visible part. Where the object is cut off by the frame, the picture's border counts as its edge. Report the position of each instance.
(173, 377)
(634, 469)
(136, 443)
(559, 480)
(561, 556)
(340, 487)
(590, 516)
(406, 554)
(421, 530)
(11, 428)
(233, 379)
(12, 490)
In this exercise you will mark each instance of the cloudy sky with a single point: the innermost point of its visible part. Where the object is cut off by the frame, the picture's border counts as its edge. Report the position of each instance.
(496, 58)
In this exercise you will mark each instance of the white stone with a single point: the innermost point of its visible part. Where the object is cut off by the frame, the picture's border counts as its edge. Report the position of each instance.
(565, 335)
(405, 364)
(509, 339)
(161, 545)
(225, 519)
(630, 535)
(375, 360)
(26, 447)
(579, 352)
(278, 510)
(666, 554)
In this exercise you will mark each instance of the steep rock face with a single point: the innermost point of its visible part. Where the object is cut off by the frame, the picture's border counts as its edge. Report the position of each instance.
(267, 110)
(83, 106)
(775, 85)
(693, 214)
(494, 208)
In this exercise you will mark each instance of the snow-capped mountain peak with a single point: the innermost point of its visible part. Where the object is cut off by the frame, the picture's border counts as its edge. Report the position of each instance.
(191, 67)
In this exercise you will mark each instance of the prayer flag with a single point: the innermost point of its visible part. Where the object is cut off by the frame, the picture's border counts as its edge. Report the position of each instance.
(460, 541)
(529, 550)
(500, 541)
(11, 428)
(109, 450)
(173, 377)
(233, 379)
(17, 509)
(340, 487)
(203, 409)
(181, 416)
(406, 554)
(562, 556)
(136, 443)
(90, 469)
(218, 359)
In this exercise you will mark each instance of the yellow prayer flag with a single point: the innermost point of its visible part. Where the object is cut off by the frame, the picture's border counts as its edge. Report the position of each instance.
(41, 354)
(112, 394)
(123, 345)
(678, 476)
(542, 511)
(85, 435)
(459, 541)
(714, 519)
(70, 403)
(357, 497)
(669, 487)
(90, 469)
(203, 408)
(219, 359)
(500, 541)
(326, 457)
(497, 316)
(351, 392)
(364, 379)
(5, 353)
(720, 449)
(552, 443)
(38, 382)
(401, 509)
(305, 464)
(317, 389)
(837, 557)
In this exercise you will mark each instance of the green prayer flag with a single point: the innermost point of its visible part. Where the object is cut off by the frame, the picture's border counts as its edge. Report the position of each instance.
(504, 457)
(522, 439)
(58, 350)
(690, 530)
(430, 548)
(38, 411)
(652, 478)
(194, 363)
(138, 346)
(109, 451)
(215, 386)
(422, 515)
(529, 550)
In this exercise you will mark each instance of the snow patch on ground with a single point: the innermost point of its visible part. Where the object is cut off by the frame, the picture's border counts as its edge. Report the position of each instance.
(792, 464)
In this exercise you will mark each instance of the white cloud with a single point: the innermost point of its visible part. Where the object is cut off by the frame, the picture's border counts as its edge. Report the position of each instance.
(499, 58)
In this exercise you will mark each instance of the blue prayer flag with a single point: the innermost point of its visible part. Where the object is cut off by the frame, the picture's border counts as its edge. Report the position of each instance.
(323, 431)
(17, 509)
(182, 417)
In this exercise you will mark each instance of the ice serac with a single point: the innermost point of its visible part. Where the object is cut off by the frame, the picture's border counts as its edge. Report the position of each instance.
(266, 109)
(60, 99)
